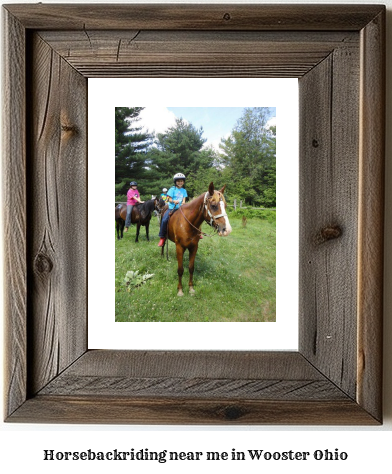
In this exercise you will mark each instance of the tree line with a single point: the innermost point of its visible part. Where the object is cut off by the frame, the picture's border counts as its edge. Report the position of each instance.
(246, 160)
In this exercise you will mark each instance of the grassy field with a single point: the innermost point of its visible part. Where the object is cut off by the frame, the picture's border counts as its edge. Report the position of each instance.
(234, 277)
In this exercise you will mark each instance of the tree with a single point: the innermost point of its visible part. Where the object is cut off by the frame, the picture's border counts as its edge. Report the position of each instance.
(179, 150)
(269, 190)
(198, 181)
(249, 158)
(131, 145)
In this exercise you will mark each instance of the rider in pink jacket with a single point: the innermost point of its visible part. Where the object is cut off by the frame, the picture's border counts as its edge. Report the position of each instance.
(133, 198)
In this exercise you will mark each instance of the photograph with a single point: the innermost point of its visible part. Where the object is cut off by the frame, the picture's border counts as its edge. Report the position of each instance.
(242, 109)
(195, 212)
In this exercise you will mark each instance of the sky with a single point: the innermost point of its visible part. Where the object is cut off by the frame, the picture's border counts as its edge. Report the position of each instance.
(217, 122)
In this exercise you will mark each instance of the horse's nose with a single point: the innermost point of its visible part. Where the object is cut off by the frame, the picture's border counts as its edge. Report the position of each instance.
(222, 230)
(225, 230)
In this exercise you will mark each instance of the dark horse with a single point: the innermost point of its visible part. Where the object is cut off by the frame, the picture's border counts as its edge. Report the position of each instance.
(184, 227)
(141, 215)
(161, 208)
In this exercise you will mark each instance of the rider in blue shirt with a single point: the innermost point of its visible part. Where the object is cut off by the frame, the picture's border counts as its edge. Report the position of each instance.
(176, 195)
(163, 196)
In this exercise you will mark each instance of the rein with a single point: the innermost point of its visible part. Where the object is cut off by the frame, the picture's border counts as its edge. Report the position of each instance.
(190, 223)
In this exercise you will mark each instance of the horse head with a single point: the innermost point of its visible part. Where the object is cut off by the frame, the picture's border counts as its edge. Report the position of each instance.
(160, 205)
(215, 210)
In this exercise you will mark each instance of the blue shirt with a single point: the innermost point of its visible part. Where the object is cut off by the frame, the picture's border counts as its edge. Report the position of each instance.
(177, 194)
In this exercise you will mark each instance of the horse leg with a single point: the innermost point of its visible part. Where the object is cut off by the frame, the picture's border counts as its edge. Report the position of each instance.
(180, 256)
(147, 231)
(137, 232)
(122, 225)
(118, 230)
(192, 255)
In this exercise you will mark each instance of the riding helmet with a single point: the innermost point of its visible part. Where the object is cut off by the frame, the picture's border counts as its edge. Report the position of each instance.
(164, 190)
(178, 176)
(133, 183)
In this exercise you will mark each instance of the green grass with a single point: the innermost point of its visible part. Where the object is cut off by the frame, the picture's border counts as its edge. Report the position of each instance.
(234, 277)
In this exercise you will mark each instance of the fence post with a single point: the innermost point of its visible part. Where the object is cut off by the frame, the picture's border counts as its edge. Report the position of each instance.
(235, 204)
(240, 203)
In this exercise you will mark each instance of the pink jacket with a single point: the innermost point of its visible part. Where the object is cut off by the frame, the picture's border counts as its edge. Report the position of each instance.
(130, 197)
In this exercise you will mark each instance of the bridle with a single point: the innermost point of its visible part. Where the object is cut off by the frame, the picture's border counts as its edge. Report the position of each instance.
(211, 222)
(213, 217)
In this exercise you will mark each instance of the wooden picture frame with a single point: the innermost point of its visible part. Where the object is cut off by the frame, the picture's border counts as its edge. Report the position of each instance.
(338, 54)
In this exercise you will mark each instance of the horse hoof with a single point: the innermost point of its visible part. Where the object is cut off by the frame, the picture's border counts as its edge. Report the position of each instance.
(180, 293)
(191, 291)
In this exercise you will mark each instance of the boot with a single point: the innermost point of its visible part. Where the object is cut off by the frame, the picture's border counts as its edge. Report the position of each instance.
(162, 242)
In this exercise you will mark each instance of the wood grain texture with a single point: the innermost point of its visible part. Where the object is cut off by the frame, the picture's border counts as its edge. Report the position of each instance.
(102, 409)
(57, 207)
(14, 212)
(207, 364)
(371, 215)
(192, 387)
(194, 53)
(189, 387)
(329, 137)
(335, 378)
(195, 17)
(208, 375)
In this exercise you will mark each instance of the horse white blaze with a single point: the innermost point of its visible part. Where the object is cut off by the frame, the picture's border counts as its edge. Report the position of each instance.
(228, 226)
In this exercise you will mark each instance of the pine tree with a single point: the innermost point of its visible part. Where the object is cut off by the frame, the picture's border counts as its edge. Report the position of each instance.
(131, 145)
(179, 150)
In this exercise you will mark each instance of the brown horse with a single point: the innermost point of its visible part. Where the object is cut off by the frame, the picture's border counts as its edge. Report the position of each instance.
(141, 215)
(184, 227)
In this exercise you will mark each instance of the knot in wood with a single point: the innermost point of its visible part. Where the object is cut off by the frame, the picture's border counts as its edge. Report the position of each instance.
(232, 413)
(227, 16)
(69, 129)
(43, 264)
(328, 233)
(315, 143)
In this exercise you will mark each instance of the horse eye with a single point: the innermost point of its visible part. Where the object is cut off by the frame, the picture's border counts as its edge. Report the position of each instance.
(214, 207)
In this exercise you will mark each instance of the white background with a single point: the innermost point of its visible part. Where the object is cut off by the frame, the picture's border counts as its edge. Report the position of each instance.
(21, 446)
(103, 332)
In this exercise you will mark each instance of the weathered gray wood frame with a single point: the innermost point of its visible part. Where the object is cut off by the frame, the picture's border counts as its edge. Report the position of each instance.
(337, 52)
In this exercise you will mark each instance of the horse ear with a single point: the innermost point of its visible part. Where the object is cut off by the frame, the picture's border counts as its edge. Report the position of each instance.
(211, 189)
(223, 189)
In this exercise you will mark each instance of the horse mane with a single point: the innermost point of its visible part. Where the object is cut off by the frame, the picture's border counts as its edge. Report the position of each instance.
(146, 207)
